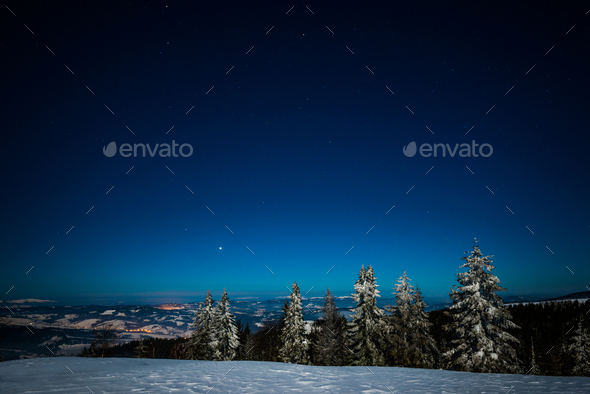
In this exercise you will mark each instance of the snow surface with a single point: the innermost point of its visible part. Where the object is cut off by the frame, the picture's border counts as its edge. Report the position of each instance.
(127, 375)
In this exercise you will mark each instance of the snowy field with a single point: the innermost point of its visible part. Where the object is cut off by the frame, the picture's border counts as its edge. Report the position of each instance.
(124, 375)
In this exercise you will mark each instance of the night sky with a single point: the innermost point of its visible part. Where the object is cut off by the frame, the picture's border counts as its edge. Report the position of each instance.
(297, 114)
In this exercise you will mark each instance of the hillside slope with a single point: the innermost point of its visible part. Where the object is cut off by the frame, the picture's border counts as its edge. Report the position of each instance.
(118, 375)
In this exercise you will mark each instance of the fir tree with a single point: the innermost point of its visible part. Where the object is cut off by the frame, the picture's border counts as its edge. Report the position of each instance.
(178, 350)
(408, 331)
(424, 352)
(534, 368)
(295, 346)
(248, 343)
(244, 335)
(403, 297)
(141, 350)
(90, 352)
(203, 345)
(265, 344)
(400, 323)
(226, 331)
(579, 349)
(365, 338)
(480, 319)
(329, 346)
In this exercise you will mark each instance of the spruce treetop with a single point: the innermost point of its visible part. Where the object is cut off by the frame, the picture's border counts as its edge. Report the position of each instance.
(404, 295)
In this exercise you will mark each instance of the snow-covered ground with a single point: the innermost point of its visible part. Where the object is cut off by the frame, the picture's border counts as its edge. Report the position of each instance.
(124, 375)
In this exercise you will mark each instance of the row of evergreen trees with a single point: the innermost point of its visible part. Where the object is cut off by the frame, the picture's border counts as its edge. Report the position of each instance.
(476, 334)
(215, 335)
(400, 335)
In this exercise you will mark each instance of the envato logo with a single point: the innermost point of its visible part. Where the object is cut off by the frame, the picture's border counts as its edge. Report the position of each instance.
(466, 150)
(165, 150)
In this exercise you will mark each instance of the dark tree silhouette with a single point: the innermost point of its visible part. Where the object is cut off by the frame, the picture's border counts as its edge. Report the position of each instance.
(105, 335)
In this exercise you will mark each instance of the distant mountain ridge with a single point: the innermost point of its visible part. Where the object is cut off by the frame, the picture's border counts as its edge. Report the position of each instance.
(573, 296)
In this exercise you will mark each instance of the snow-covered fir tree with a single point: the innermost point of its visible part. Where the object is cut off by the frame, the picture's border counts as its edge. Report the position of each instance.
(365, 334)
(399, 323)
(226, 331)
(329, 346)
(203, 344)
(579, 349)
(480, 320)
(411, 344)
(533, 368)
(294, 349)
(403, 296)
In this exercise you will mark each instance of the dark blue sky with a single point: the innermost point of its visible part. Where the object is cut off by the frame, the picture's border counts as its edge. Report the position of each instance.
(297, 148)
